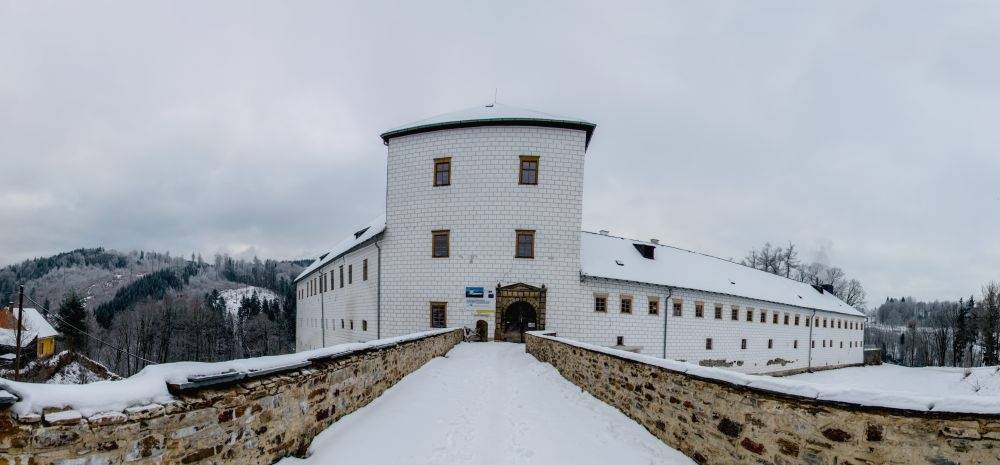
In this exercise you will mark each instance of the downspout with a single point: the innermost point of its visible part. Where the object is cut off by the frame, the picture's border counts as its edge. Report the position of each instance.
(666, 314)
(811, 325)
(322, 314)
(378, 299)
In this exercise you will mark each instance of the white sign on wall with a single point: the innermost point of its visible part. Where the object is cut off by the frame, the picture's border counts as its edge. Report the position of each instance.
(480, 301)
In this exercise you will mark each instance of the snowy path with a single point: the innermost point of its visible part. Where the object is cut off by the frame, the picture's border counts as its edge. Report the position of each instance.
(924, 381)
(484, 404)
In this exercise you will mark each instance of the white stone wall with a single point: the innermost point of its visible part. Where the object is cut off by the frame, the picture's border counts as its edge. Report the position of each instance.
(356, 303)
(686, 334)
(482, 208)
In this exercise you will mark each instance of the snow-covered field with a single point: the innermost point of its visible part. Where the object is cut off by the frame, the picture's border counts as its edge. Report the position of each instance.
(234, 296)
(487, 403)
(924, 381)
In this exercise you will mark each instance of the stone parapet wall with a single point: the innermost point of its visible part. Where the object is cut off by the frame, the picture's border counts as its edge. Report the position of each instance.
(716, 422)
(250, 422)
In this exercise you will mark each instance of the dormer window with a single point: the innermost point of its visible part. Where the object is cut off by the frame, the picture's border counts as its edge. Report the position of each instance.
(645, 250)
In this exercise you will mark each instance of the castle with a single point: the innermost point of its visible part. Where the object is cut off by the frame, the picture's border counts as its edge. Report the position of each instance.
(482, 229)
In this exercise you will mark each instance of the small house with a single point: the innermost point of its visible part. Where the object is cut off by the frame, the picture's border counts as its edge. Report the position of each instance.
(38, 337)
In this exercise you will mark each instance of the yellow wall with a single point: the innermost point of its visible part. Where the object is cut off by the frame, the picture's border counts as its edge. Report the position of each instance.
(46, 347)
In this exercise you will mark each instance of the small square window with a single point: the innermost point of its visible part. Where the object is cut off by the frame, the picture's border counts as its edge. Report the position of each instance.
(678, 308)
(600, 303)
(699, 309)
(440, 243)
(442, 171)
(654, 306)
(524, 244)
(626, 305)
(439, 314)
(708, 344)
(529, 170)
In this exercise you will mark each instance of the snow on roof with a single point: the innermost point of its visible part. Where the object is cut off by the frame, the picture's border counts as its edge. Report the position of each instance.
(613, 257)
(487, 114)
(362, 234)
(34, 325)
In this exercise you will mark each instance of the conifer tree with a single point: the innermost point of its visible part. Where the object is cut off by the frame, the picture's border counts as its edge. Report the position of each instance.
(73, 320)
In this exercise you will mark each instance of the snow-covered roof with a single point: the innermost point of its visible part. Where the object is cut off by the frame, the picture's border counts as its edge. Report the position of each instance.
(34, 325)
(495, 114)
(361, 234)
(613, 257)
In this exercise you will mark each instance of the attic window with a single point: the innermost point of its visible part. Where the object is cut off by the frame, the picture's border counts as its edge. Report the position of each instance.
(359, 233)
(323, 256)
(646, 250)
(619, 263)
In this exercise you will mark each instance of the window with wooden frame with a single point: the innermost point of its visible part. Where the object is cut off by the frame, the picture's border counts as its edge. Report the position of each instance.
(774, 318)
(439, 314)
(735, 313)
(678, 307)
(770, 343)
(699, 309)
(529, 170)
(786, 318)
(718, 311)
(807, 321)
(440, 247)
(601, 303)
(350, 274)
(351, 322)
(626, 304)
(743, 344)
(796, 320)
(364, 325)
(749, 315)
(442, 171)
(524, 243)
(708, 344)
(332, 280)
(364, 270)
(763, 316)
(341, 275)
(654, 306)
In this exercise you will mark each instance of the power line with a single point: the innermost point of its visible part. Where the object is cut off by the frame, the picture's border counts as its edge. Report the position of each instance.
(125, 351)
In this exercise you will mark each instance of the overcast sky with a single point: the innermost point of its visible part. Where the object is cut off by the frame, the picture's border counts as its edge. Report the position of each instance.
(868, 133)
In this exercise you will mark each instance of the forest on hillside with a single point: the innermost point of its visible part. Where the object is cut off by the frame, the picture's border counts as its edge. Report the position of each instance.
(127, 310)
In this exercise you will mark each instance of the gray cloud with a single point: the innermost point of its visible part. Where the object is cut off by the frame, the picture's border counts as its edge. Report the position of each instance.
(863, 131)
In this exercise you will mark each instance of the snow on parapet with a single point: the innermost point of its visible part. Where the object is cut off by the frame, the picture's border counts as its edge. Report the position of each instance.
(368, 231)
(989, 405)
(149, 386)
(612, 257)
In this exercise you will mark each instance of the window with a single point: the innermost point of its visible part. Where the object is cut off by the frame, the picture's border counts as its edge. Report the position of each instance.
(718, 312)
(749, 315)
(440, 247)
(364, 325)
(524, 244)
(763, 316)
(351, 323)
(812, 344)
(529, 170)
(439, 315)
(786, 318)
(350, 274)
(654, 306)
(678, 307)
(600, 303)
(824, 343)
(735, 313)
(841, 344)
(708, 344)
(795, 344)
(770, 343)
(774, 318)
(796, 320)
(364, 270)
(699, 309)
(442, 171)
(341, 323)
(341, 275)
(626, 304)
(743, 344)
(807, 321)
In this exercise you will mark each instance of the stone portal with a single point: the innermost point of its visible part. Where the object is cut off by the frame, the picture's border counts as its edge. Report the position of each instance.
(520, 308)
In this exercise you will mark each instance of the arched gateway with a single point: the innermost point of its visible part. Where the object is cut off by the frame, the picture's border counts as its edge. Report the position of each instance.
(520, 308)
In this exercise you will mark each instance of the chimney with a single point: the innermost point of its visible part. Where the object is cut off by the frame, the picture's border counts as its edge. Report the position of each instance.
(655, 241)
(604, 232)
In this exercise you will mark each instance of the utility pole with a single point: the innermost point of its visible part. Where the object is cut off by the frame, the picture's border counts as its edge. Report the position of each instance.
(17, 339)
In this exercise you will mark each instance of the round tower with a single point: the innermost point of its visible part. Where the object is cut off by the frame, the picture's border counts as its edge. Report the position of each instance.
(483, 217)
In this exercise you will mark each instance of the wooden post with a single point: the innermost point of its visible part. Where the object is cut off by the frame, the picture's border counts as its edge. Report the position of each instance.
(17, 339)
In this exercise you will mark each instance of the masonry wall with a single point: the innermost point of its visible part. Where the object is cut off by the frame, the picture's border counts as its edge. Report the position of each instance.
(349, 312)
(715, 422)
(482, 208)
(253, 422)
(686, 334)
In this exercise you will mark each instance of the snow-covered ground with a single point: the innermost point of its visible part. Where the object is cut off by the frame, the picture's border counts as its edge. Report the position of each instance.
(487, 403)
(924, 381)
(234, 296)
